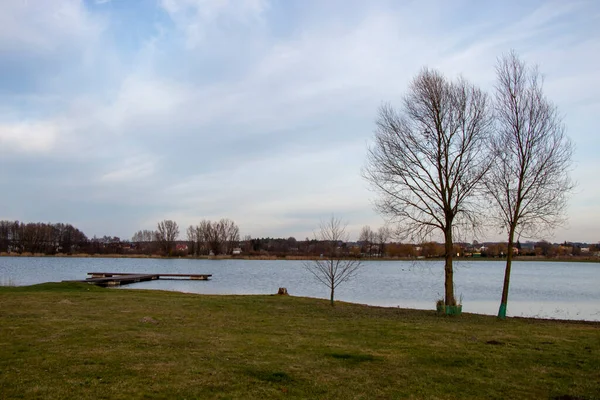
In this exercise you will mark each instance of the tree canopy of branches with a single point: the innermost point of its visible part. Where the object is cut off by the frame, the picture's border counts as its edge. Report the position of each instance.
(145, 235)
(428, 160)
(39, 237)
(367, 238)
(529, 181)
(167, 232)
(370, 239)
(383, 235)
(219, 237)
(330, 270)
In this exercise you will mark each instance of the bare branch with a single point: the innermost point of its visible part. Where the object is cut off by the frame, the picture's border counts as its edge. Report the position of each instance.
(330, 270)
(428, 160)
(529, 180)
(166, 233)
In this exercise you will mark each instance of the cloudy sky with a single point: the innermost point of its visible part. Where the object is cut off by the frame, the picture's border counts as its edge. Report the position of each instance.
(115, 114)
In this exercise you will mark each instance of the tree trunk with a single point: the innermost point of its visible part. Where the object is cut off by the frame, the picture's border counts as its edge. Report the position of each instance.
(509, 256)
(331, 297)
(448, 271)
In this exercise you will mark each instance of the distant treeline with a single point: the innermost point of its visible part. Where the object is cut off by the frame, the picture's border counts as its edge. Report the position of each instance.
(222, 238)
(39, 237)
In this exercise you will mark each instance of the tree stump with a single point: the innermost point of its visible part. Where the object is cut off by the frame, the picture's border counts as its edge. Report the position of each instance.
(282, 291)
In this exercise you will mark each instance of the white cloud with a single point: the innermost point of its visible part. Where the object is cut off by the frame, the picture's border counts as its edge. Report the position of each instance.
(28, 137)
(142, 99)
(196, 17)
(43, 26)
(130, 170)
(281, 192)
(277, 141)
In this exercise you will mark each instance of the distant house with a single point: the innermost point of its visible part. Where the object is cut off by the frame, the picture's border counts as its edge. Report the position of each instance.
(236, 251)
(181, 247)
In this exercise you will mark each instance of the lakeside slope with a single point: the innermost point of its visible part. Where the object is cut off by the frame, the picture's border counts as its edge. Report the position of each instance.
(79, 341)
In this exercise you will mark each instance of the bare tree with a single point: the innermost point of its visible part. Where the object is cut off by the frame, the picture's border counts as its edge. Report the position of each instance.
(231, 234)
(144, 236)
(428, 160)
(383, 235)
(216, 237)
(192, 237)
(330, 270)
(366, 239)
(166, 234)
(529, 181)
(145, 241)
(202, 237)
(247, 243)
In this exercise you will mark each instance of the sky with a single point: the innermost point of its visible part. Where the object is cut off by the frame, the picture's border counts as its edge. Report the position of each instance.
(117, 114)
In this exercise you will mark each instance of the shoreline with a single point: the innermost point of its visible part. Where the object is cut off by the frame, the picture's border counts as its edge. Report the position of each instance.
(595, 322)
(408, 309)
(349, 303)
(301, 258)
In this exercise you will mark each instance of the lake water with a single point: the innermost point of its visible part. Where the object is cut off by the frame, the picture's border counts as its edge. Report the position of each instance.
(538, 289)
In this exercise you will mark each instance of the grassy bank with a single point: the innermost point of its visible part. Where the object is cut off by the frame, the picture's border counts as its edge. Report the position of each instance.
(78, 341)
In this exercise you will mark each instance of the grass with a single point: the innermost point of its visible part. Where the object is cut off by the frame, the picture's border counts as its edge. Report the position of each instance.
(60, 341)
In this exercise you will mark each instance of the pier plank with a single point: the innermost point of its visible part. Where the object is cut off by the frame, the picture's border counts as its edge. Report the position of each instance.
(125, 278)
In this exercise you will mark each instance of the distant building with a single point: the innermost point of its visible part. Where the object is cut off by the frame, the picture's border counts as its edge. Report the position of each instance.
(236, 251)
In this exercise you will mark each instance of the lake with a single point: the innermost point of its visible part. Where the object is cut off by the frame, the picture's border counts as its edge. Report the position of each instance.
(562, 290)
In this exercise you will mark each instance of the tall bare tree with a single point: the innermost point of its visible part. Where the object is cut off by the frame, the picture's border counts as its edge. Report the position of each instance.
(166, 233)
(367, 239)
(384, 234)
(202, 237)
(231, 235)
(220, 237)
(330, 270)
(428, 160)
(192, 237)
(529, 181)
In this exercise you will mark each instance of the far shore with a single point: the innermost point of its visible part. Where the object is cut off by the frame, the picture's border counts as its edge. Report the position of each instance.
(590, 259)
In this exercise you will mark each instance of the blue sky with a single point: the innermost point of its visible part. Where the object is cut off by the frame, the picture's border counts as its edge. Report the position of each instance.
(116, 114)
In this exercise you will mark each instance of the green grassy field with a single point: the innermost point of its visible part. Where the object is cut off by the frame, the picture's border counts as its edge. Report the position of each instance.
(77, 341)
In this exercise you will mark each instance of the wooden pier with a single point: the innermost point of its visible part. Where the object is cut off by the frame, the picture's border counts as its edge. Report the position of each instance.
(124, 278)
